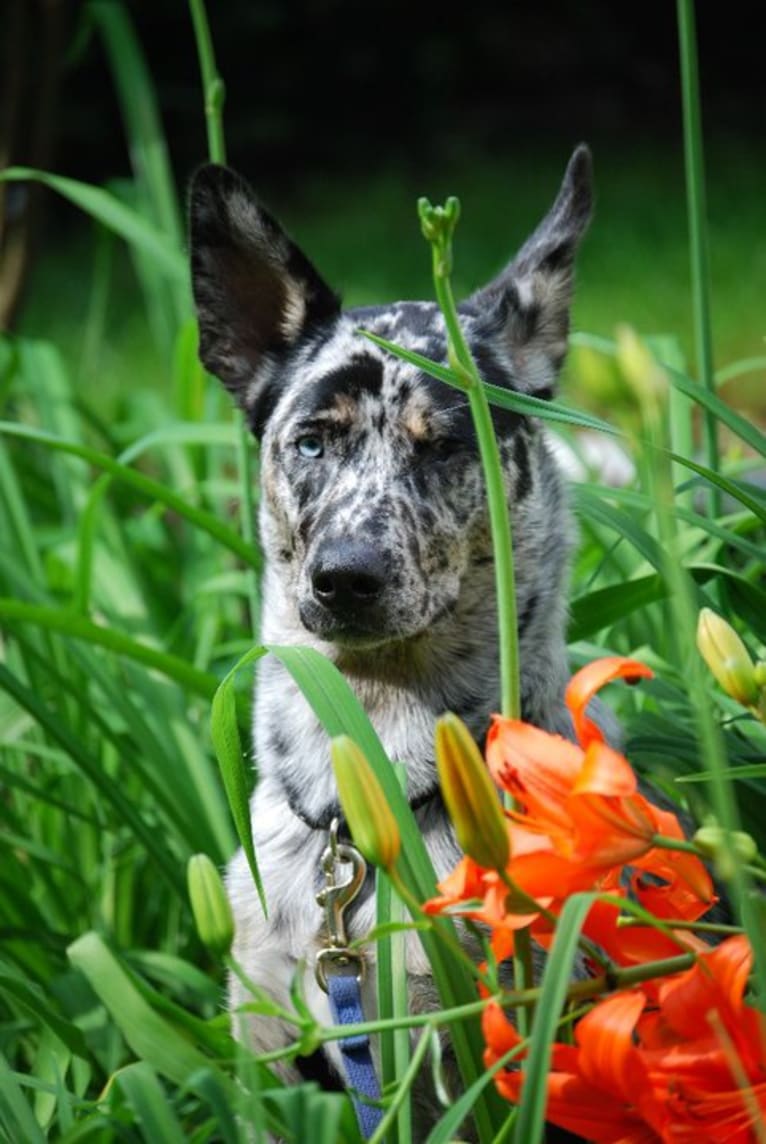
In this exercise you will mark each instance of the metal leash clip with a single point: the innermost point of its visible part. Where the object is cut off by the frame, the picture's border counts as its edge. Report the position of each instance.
(340, 888)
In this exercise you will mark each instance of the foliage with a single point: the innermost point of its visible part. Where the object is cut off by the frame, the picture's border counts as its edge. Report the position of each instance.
(128, 597)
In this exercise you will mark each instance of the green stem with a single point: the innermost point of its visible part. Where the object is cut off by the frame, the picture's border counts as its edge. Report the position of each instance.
(393, 996)
(698, 248)
(579, 991)
(665, 842)
(497, 499)
(403, 1088)
(445, 936)
(215, 92)
(212, 84)
(680, 924)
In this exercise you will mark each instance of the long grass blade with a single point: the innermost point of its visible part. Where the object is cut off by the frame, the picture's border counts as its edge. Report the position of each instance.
(150, 488)
(129, 224)
(530, 1125)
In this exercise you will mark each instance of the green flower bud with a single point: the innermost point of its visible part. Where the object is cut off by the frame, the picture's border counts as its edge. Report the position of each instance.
(727, 657)
(370, 819)
(643, 375)
(714, 843)
(210, 905)
(470, 795)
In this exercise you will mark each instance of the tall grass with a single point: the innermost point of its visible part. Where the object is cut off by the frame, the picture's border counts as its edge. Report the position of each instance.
(127, 596)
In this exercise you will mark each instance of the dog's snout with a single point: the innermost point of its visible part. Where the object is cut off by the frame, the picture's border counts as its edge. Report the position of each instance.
(346, 577)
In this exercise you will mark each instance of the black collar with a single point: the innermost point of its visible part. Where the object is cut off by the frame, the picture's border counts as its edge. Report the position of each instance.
(323, 821)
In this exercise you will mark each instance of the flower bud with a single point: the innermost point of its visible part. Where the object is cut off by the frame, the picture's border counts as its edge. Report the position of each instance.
(210, 905)
(641, 372)
(727, 657)
(371, 821)
(470, 795)
(712, 841)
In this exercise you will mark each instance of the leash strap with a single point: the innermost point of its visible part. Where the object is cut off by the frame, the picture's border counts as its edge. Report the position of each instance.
(346, 1005)
(339, 971)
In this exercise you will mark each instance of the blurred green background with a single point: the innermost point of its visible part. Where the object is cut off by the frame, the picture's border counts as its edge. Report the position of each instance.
(341, 124)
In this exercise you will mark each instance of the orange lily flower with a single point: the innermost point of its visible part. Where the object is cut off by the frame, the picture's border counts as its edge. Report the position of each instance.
(688, 1066)
(585, 798)
(579, 819)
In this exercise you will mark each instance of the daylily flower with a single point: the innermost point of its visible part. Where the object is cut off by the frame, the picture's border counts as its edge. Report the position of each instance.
(585, 797)
(579, 820)
(684, 1061)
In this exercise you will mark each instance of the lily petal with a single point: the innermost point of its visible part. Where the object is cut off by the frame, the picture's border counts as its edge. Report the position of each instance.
(590, 679)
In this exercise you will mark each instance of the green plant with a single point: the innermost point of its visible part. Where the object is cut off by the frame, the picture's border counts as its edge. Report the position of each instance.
(128, 597)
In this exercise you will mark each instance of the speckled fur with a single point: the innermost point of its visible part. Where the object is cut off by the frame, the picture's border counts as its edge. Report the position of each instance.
(399, 473)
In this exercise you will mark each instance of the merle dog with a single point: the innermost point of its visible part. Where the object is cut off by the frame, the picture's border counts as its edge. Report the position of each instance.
(375, 532)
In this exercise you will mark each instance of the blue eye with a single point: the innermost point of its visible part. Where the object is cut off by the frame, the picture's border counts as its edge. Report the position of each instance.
(310, 446)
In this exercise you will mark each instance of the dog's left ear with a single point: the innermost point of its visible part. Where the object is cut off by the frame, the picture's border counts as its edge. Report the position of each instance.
(255, 291)
(526, 308)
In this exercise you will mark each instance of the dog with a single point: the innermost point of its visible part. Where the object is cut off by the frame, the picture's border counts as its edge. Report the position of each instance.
(377, 546)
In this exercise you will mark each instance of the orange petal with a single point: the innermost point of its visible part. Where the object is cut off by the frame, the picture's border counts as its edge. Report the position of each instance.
(611, 831)
(628, 945)
(549, 876)
(590, 1112)
(605, 771)
(717, 981)
(537, 768)
(590, 679)
(608, 1057)
(500, 1036)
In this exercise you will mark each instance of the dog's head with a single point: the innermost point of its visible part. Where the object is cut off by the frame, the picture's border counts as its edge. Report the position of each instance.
(373, 506)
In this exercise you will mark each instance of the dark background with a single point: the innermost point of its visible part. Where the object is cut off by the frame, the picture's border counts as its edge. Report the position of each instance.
(333, 85)
(341, 114)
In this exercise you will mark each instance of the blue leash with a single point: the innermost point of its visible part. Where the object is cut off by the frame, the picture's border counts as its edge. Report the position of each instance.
(346, 1005)
(339, 971)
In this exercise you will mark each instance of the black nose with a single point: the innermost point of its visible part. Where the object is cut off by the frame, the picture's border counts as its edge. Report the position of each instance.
(346, 577)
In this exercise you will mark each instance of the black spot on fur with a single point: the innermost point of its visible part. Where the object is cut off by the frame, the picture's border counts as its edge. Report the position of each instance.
(262, 407)
(523, 470)
(279, 743)
(362, 374)
(527, 613)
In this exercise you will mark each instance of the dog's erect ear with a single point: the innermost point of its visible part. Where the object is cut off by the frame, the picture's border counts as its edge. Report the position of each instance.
(527, 305)
(256, 293)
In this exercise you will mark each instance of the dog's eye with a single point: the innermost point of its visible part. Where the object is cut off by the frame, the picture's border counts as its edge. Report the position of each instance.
(310, 446)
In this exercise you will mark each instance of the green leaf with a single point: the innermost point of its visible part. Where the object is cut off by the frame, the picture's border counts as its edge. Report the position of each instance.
(746, 430)
(209, 1086)
(154, 490)
(92, 768)
(78, 627)
(152, 1107)
(530, 1125)
(735, 489)
(594, 611)
(595, 507)
(17, 1122)
(150, 1037)
(224, 731)
(522, 403)
(107, 209)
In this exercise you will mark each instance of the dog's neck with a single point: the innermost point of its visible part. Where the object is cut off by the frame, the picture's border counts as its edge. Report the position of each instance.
(403, 688)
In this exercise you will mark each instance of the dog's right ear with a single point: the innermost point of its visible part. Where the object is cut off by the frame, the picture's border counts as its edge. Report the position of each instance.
(256, 293)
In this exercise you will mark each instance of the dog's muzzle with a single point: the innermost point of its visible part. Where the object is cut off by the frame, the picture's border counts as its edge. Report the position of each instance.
(348, 580)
